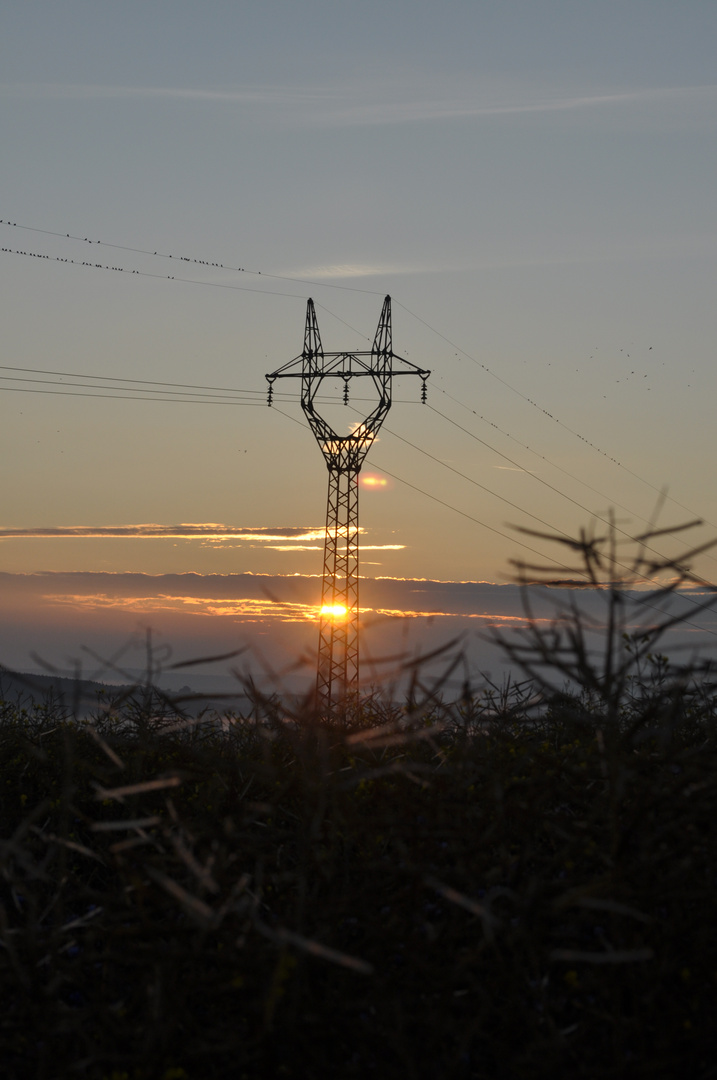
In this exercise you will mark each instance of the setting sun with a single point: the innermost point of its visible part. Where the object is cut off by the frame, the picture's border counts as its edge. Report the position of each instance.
(335, 611)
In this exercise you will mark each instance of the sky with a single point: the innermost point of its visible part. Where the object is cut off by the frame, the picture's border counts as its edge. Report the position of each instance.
(532, 183)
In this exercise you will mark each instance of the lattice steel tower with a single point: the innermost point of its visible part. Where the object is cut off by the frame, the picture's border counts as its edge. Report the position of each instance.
(338, 661)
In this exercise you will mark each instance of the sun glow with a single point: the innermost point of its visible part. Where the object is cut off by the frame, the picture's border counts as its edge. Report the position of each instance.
(372, 481)
(334, 611)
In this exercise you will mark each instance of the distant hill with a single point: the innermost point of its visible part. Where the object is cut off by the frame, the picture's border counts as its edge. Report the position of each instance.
(27, 687)
(82, 696)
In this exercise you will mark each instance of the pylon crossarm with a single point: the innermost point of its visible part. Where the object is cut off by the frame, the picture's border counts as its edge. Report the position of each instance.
(337, 365)
(382, 358)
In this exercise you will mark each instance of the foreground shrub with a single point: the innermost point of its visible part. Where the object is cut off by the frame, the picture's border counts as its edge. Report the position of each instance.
(464, 896)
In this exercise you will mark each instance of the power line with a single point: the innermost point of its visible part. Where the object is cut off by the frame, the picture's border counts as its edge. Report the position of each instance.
(211, 398)
(622, 532)
(525, 446)
(522, 510)
(119, 378)
(464, 476)
(535, 476)
(179, 394)
(131, 397)
(148, 274)
(442, 502)
(545, 412)
(188, 259)
(513, 389)
(424, 322)
(701, 605)
(226, 395)
(208, 398)
(558, 491)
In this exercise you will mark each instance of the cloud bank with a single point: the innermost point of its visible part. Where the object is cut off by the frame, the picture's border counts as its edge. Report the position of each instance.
(60, 615)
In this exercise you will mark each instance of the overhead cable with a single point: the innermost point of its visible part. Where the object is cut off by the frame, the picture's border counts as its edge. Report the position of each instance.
(188, 259)
(304, 281)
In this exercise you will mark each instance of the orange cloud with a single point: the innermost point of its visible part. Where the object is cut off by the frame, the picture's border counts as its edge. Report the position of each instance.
(202, 531)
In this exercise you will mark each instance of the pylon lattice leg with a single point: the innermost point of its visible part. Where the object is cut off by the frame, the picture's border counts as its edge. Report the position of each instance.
(338, 661)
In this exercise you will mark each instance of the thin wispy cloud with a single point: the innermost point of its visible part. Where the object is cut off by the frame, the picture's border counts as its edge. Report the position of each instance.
(288, 538)
(473, 106)
(358, 270)
(359, 104)
(265, 95)
(583, 251)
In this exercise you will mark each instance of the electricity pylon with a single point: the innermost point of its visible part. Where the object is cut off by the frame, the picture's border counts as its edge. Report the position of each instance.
(338, 661)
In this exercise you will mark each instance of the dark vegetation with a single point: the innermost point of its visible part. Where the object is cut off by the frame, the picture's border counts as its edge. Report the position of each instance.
(519, 883)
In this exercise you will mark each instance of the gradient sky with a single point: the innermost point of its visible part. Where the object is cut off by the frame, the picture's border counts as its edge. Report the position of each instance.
(532, 182)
